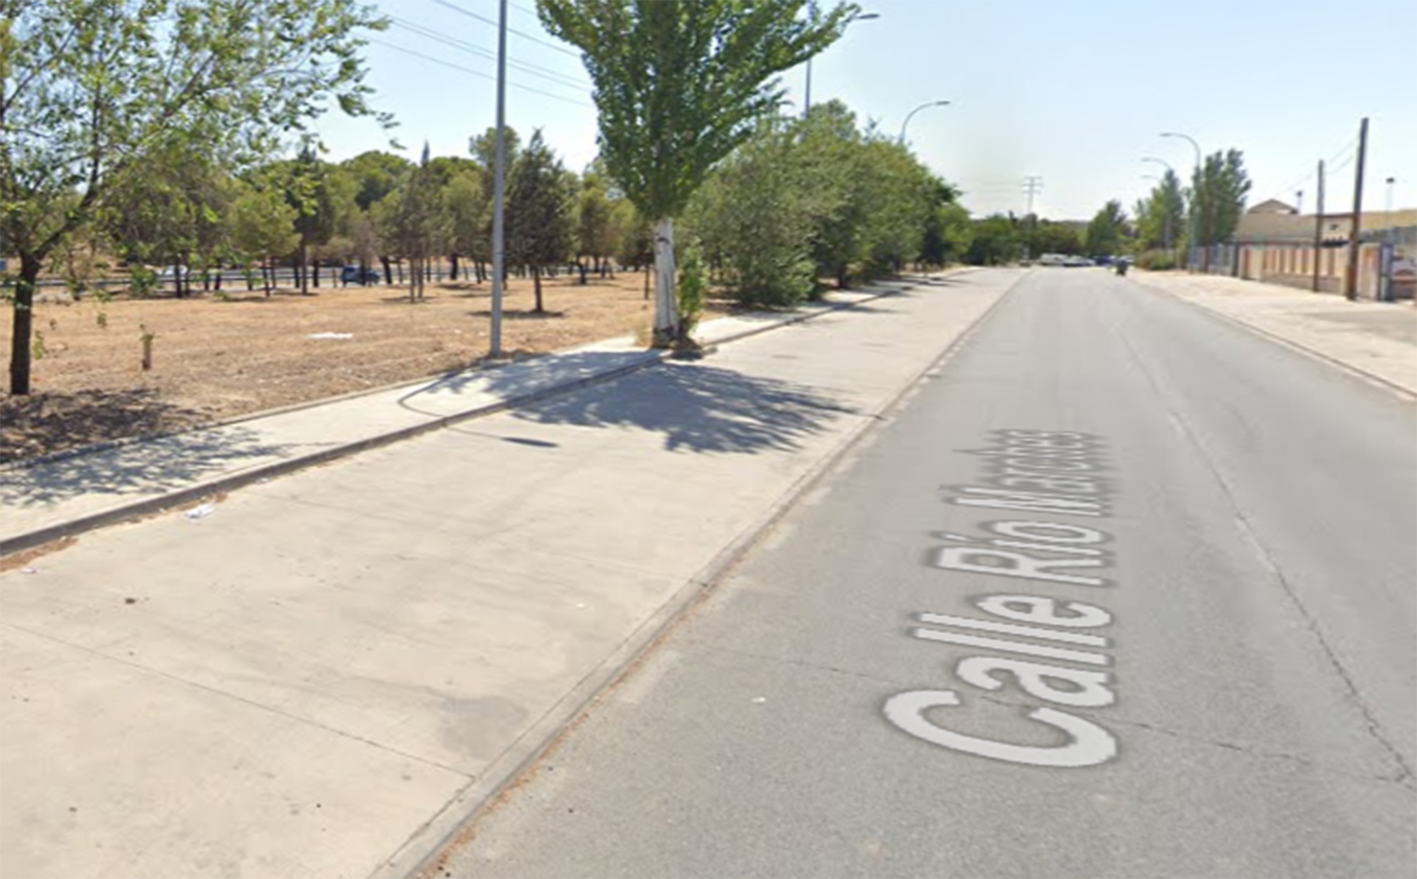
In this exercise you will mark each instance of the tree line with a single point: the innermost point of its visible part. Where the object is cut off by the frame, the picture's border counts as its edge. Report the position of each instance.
(1164, 223)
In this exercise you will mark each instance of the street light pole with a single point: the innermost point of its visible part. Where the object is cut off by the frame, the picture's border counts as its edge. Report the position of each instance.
(912, 113)
(499, 188)
(1195, 191)
(812, 16)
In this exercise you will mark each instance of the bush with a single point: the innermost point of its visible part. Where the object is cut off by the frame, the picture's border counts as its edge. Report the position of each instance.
(1156, 261)
(692, 290)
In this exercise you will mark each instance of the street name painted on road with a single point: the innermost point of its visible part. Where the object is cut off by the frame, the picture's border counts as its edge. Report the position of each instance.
(1034, 472)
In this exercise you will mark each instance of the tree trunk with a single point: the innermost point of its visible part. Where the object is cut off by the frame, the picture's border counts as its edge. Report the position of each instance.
(580, 264)
(388, 271)
(667, 328)
(647, 277)
(20, 351)
(267, 271)
(454, 259)
(536, 285)
(315, 272)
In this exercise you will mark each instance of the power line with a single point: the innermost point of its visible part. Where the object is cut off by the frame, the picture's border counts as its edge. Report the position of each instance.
(470, 14)
(478, 73)
(473, 49)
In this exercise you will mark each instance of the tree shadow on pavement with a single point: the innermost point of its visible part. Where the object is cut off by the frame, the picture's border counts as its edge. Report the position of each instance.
(698, 408)
(139, 468)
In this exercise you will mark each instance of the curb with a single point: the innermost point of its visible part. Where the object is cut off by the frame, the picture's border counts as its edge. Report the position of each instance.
(189, 494)
(451, 828)
(1409, 394)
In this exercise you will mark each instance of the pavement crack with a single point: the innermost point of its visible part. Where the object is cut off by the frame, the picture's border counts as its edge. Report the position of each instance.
(1405, 774)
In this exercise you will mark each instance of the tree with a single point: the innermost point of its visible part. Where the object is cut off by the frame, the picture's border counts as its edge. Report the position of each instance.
(1107, 230)
(1219, 199)
(538, 212)
(467, 211)
(994, 240)
(595, 227)
(1161, 216)
(415, 222)
(678, 87)
(171, 210)
(1051, 236)
(755, 215)
(262, 227)
(89, 87)
(375, 174)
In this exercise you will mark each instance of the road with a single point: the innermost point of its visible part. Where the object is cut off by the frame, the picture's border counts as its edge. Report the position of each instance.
(1119, 589)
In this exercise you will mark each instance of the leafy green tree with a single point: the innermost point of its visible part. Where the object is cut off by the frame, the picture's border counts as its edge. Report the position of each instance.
(1219, 199)
(415, 223)
(467, 211)
(1161, 216)
(947, 234)
(994, 240)
(678, 87)
(375, 174)
(595, 223)
(90, 85)
(171, 210)
(262, 227)
(754, 216)
(538, 214)
(1051, 236)
(1107, 231)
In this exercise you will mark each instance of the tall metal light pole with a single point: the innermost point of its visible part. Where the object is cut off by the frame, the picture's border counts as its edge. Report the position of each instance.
(912, 113)
(1195, 190)
(812, 15)
(1166, 210)
(499, 188)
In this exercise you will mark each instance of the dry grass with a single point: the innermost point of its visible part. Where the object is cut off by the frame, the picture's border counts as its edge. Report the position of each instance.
(218, 359)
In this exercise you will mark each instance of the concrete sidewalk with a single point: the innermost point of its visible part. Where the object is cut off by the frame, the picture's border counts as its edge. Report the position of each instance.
(327, 673)
(1375, 339)
(46, 500)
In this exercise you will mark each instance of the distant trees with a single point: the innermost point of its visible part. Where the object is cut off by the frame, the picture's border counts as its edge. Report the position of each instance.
(1108, 231)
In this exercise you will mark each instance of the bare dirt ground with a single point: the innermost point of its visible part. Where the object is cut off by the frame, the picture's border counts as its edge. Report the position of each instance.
(215, 359)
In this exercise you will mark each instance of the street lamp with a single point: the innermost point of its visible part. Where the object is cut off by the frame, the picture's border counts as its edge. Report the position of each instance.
(1196, 185)
(499, 185)
(912, 113)
(812, 14)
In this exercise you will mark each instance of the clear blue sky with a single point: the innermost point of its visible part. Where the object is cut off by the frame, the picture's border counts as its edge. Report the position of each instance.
(1074, 92)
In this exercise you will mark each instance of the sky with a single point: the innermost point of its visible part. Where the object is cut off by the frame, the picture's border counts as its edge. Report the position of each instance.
(1075, 92)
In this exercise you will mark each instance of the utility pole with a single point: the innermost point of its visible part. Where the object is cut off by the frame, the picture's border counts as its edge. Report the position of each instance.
(499, 257)
(807, 92)
(1032, 185)
(1350, 281)
(1319, 228)
(1299, 208)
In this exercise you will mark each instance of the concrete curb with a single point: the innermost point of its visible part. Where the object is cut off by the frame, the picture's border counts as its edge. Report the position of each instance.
(206, 488)
(1409, 394)
(426, 851)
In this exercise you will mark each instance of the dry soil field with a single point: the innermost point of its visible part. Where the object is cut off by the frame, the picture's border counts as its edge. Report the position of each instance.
(215, 359)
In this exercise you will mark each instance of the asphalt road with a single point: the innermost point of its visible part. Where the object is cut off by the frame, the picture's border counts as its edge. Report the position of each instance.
(1182, 646)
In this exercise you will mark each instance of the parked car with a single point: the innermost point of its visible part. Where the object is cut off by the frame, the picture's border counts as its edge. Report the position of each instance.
(358, 275)
(1052, 259)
